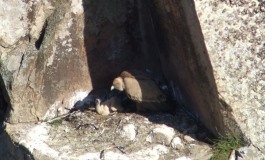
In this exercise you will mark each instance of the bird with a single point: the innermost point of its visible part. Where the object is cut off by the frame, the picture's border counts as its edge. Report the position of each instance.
(113, 104)
(141, 87)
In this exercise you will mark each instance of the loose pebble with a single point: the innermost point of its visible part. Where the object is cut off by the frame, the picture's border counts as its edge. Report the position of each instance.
(162, 135)
(176, 143)
(188, 138)
(129, 132)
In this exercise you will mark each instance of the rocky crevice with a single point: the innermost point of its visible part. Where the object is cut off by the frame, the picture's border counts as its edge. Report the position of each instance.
(64, 49)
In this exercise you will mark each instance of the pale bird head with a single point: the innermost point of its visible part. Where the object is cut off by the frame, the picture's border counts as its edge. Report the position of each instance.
(117, 84)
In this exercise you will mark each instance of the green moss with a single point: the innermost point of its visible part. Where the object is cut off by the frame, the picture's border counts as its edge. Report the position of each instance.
(56, 122)
(223, 146)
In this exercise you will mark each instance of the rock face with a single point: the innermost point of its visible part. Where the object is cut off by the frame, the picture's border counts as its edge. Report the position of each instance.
(224, 79)
(234, 37)
(52, 53)
(87, 135)
(186, 63)
(43, 59)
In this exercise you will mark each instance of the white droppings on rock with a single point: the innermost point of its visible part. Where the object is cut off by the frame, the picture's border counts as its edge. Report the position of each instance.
(176, 143)
(51, 58)
(77, 96)
(58, 109)
(129, 132)
(162, 134)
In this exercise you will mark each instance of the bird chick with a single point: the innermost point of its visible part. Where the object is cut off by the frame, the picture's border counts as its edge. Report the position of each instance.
(102, 109)
(112, 104)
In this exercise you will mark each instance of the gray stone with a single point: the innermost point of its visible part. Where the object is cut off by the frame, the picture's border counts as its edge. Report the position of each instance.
(128, 131)
(161, 134)
(188, 138)
(42, 55)
(14, 25)
(96, 138)
(176, 143)
(235, 43)
(219, 64)
(201, 151)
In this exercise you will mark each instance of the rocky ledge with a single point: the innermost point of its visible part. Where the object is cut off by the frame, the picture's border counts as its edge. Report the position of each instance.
(87, 135)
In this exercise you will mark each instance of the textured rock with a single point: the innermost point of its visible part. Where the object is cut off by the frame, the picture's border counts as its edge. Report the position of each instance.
(188, 138)
(43, 59)
(162, 134)
(12, 29)
(10, 150)
(186, 63)
(129, 132)
(87, 135)
(176, 143)
(198, 152)
(234, 37)
(222, 78)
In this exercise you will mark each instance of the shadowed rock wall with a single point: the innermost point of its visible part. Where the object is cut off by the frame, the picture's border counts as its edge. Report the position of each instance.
(186, 62)
(116, 40)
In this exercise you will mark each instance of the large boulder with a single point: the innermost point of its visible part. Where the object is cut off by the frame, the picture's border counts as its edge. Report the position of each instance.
(234, 34)
(218, 62)
(43, 58)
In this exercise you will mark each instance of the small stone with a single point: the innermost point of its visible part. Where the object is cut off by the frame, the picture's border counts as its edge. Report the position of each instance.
(162, 135)
(188, 138)
(160, 149)
(129, 132)
(176, 143)
(201, 151)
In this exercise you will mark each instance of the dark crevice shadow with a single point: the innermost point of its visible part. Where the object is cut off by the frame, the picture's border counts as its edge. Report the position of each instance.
(114, 41)
(5, 105)
(10, 150)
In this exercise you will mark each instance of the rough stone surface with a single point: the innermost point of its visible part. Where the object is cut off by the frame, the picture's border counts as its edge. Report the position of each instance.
(176, 143)
(200, 152)
(52, 53)
(188, 138)
(162, 134)
(129, 132)
(186, 63)
(87, 135)
(10, 150)
(234, 34)
(43, 60)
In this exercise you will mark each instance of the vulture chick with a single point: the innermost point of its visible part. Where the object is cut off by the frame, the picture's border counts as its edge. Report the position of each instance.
(142, 89)
(112, 104)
